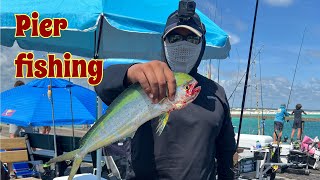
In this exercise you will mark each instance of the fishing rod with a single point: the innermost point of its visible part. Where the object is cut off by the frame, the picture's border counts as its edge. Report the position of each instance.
(247, 73)
(239, 82)
(261, 96)
(237, 76)
(295, 70)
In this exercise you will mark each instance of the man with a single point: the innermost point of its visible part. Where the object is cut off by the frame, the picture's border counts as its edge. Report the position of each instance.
(278, 123)
(14, 130)
(297, 123)
(195, 135)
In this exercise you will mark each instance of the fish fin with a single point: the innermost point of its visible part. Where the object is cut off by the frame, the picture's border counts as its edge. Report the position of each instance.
(132, 134)
(75, 166)
(66, 156)
(163, 119)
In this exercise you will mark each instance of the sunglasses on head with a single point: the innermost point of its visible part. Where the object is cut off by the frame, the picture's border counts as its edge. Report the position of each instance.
(173, 38)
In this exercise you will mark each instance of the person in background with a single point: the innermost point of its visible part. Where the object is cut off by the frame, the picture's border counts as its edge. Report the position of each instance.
(194, 136)
(14, 130)
(278, 123)
(46, 130)
(297, 123)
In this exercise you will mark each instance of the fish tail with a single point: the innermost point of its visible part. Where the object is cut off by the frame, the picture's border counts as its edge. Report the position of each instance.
(66, 156)
(76, 164)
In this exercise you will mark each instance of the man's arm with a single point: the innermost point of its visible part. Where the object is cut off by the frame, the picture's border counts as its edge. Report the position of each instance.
(304, 112)
(155, 77)
(286, 113)
(226, 147)
(113, 82)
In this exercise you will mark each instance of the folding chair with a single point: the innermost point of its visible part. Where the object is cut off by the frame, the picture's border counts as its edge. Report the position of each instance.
(16, 153)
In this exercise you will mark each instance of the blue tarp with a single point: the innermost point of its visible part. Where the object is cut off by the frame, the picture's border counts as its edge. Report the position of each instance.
(131, 29)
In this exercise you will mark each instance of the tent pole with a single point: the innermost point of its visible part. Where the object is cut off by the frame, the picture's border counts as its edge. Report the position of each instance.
(99, 151)
(99, 114)
(71, 110)
(53, 124)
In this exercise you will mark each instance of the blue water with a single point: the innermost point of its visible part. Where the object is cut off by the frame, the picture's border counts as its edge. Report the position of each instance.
(250, 126)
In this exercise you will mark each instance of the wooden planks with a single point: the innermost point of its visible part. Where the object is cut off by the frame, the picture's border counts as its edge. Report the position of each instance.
(15, 150)
(12, 143)
(14, 156)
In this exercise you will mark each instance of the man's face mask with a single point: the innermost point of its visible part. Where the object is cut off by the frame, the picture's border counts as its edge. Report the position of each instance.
(182, 52)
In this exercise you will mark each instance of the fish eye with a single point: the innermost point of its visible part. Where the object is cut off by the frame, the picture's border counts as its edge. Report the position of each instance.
(186, 87)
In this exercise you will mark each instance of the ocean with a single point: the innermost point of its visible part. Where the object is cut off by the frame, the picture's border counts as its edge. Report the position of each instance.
(250, 126)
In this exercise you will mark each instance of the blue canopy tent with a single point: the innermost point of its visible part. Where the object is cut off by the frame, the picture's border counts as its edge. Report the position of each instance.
(29, 104)
(110, 28)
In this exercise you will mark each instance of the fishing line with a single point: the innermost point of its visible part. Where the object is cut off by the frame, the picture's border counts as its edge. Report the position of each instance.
(247, 73)
(237, 77)
(242, 77)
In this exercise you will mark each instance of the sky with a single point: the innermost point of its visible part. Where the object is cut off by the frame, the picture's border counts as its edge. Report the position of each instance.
(278, 34)
(279, 30)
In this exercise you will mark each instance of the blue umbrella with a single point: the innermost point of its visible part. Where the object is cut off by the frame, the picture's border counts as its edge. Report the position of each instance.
(110, 28)
(29, 104)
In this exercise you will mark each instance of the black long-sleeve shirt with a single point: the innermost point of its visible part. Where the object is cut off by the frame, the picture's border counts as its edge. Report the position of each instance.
(190, 142)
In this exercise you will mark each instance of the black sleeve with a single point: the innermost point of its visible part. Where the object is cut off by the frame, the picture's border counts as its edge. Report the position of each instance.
(113, 82)
(226, 147)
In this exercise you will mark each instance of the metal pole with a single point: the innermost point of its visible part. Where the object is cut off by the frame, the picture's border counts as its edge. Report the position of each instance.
(50, 96)
(72, 118)
(99, 151)
(218, 71)
(99, 114)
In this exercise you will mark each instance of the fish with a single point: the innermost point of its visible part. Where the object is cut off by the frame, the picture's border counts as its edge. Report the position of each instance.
(131, 109)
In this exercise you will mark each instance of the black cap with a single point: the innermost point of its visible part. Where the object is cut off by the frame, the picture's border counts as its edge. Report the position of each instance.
(193, 24)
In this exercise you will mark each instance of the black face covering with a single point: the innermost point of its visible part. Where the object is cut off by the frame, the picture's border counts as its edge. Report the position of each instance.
(194, 22)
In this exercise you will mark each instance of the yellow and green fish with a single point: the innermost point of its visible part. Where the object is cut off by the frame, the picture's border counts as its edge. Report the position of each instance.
(131, 109)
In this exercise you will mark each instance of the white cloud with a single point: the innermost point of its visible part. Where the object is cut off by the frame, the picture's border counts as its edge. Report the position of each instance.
(234, 39)
(275, 91)
(240, 25)
(280, 3)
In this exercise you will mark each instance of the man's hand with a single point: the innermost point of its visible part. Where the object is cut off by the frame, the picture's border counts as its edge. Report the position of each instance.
(155, 77)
